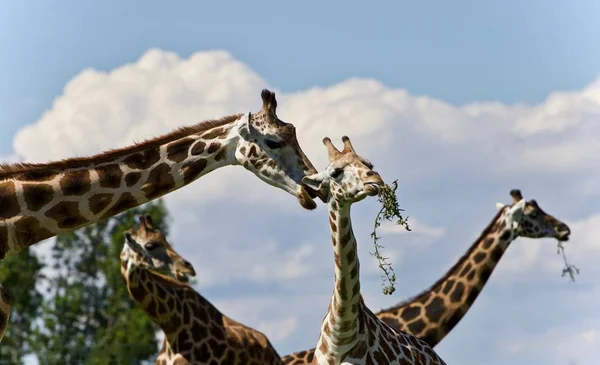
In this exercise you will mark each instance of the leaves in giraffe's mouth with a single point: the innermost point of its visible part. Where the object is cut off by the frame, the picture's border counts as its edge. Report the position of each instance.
(390, 211)
(570, 269)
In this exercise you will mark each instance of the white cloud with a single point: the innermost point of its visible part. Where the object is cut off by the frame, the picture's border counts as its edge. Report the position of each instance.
(453, 164)
(426, 233)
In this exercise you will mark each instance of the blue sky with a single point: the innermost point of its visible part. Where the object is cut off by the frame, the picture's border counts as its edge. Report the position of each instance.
(512, 51)
(484, 97)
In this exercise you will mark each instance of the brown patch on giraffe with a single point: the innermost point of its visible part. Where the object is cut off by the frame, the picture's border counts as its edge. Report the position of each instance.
(487, 243)
(144, 159)
(332, 225)
(351, 257)
(221, 155)
(193, 169)
(505, 236)
(336, 258)
(214, 133)
(466, 269)
(356, 289)
(434, 310)
(37, 195)
(458, 292)
(479, 257)
(30, 231)
(345, 239)
(252, 152)
(484, 274)
(66, 214)
(496, 253)
(109, 176)
(344, 222)
(198, 148)
(37, 176)
(178, 150)
(99, 202)
(75, 183)
(9, 205)
(126, 201)
(448, 286)
(213, 147)
(160, 181)
(471, 275)
(132, 178)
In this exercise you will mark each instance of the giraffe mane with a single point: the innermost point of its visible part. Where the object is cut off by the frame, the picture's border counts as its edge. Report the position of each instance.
(484, 233)
(9, 170)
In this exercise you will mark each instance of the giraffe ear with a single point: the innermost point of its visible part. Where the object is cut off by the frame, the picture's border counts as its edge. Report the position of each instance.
(499, 206)
(315, 181)
(244, 126)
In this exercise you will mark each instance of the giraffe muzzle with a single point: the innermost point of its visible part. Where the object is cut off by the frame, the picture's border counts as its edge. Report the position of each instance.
(372, 189)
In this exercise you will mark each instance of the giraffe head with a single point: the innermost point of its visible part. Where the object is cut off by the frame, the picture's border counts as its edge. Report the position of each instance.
(349, 178)
(148, 247)
(529, 220)
(269, 148)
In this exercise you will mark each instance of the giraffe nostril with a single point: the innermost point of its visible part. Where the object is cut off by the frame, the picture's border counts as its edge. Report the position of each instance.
(371, 173)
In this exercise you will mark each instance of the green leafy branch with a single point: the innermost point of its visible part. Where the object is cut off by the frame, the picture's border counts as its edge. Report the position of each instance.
(390, 211)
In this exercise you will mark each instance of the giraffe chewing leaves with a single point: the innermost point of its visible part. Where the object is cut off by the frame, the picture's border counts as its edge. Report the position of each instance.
(391, 212)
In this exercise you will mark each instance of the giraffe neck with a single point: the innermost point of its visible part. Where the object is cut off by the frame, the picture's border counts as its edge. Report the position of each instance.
(40, 201)
(433, 314)
(195, 330)
(340, 328)
(159, 296)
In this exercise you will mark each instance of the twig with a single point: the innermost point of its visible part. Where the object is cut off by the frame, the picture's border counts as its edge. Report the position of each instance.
(390, 209)
(570, 269)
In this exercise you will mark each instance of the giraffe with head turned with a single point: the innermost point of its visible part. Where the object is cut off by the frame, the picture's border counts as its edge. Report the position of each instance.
(196, 332)
(350, 332)
(38, 201)
(432, 314)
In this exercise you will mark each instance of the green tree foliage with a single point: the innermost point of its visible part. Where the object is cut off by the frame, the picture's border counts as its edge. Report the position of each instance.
(89, 317)
(20, 274)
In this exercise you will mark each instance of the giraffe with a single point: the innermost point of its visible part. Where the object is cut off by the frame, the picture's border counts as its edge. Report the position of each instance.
(196, 332)
(350, 332)
(38, 201)
(432, 314)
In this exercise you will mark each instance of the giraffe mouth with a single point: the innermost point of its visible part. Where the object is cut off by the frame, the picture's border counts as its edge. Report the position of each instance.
(372, 189)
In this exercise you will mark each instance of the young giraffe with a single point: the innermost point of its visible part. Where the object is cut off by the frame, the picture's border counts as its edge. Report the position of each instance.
(195, 331)
(432, 314)
(350, 332)
(38, 201)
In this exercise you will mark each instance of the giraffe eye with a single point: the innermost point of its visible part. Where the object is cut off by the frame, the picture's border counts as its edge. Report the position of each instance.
(336, 173)
(151, 246)
(272, 144)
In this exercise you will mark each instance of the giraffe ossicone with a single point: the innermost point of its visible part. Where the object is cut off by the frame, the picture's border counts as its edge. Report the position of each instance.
(432, 314)
(350, 332)
(196, 332)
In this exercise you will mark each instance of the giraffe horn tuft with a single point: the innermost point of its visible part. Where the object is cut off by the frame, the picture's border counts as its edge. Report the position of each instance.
(332, 152)
(347, 145)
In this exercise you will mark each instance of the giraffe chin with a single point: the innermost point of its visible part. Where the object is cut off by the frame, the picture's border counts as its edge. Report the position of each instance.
(305, 199)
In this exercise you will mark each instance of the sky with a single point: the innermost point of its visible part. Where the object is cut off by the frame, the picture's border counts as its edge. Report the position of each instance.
(460, 102)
